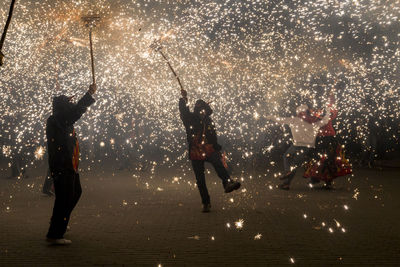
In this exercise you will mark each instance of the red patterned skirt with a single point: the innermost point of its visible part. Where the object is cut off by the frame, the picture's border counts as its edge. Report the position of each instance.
(330, 161)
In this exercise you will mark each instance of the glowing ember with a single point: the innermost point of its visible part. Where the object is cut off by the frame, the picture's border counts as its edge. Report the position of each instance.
(257, 236)
(39, 152)
(239, 224)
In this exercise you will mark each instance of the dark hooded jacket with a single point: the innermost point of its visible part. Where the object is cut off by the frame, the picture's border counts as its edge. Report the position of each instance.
(61, 137)
(195, 125)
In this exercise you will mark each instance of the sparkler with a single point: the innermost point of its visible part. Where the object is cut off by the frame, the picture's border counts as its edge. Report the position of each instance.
(3, 36)
(157, 47)
(91, 21)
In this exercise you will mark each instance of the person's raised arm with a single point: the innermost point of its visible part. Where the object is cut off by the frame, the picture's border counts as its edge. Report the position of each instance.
(280, 120)
(183, 107)
(82, 105)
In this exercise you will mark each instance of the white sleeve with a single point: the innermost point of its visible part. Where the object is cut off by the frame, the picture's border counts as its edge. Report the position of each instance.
(287, 120)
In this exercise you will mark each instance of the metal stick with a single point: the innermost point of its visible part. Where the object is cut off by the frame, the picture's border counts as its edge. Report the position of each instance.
(157, 47)
(3, 37)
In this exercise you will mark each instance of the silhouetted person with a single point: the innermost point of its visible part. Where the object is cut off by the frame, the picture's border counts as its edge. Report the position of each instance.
(203, 146)
(63, 149)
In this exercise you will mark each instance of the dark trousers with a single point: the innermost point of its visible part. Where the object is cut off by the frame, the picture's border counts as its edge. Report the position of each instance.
(198, 168)
(294, 157)
(17, 167)
(327, 145)
(48, 182)
(68, 191)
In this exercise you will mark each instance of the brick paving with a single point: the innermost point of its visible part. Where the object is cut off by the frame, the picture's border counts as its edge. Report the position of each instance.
(122, 221)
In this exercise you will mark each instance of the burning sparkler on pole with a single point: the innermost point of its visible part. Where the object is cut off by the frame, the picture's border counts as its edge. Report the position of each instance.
(90, 22)
(157, 47)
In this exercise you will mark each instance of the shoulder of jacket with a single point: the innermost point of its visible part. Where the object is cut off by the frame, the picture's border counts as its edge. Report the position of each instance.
(50, 119)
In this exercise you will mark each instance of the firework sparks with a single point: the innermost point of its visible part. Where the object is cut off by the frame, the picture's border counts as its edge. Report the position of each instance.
(39, 152)
(239, 224)
(271, 62)
(250, 58)
(257, 236)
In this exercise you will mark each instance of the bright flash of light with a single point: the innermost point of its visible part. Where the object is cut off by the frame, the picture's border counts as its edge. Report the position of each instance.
(239, 224)
(257, 236)
(39, 152)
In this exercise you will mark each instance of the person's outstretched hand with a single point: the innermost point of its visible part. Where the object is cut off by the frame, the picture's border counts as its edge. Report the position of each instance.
(184, 93)
(92, 89)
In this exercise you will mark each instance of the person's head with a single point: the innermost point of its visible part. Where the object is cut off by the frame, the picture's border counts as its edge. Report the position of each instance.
(62, 105)
(202, 108)
(301, 110)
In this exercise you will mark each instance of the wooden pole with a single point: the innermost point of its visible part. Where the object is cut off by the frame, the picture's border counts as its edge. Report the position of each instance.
(171, 68)
(91, 56)
(3, 36)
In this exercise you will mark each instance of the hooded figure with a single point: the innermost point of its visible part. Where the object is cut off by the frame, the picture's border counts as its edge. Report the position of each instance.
(199, 125)
(203, 146)
(63, 149)
(62, 143)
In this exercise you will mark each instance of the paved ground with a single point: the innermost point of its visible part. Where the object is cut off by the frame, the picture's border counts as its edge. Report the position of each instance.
(141, 219)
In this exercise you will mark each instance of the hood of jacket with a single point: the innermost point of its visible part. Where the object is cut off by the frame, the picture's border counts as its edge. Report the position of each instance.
(202, 105)
(62, 107)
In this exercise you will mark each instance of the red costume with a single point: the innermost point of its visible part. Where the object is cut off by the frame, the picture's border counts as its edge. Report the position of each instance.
(330, 161)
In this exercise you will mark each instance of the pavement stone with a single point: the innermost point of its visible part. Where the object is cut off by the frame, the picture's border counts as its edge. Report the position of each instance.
(148, 219)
